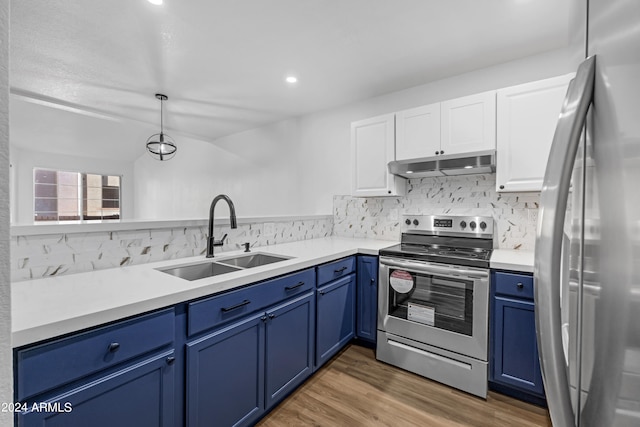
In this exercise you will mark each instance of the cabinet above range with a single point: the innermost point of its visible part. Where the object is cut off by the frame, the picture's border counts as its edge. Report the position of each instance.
(508, 131)
(457, 126)
(454, 127)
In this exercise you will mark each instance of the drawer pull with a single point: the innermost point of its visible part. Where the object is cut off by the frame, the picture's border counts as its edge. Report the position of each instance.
(271, 316)
(233, 307)
(520, 285)
(171, 360)
(373, 281)
(321, 292)
(340, 270)
(113, 347)
(297, 285)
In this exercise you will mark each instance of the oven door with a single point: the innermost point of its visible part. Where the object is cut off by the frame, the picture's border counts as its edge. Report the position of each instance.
(442, 305)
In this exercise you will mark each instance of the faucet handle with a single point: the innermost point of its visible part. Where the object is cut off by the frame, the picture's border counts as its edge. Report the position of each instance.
(219, 242)
(247, 245)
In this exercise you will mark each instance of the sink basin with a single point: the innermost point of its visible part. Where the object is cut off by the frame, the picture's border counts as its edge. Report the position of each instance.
(200, 271)
(252, 260)
(228, 265)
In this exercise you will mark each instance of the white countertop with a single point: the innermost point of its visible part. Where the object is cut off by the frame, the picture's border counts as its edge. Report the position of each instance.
(515, 260)
(45, 308)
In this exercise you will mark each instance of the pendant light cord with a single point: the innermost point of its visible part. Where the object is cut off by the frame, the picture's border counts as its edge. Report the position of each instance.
(161, 115)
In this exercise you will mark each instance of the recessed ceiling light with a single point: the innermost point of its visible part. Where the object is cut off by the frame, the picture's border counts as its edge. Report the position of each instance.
(468, 167)
(156, 2)
(291, 79)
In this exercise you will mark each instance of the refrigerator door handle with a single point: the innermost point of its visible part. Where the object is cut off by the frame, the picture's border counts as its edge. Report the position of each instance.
(547, 267)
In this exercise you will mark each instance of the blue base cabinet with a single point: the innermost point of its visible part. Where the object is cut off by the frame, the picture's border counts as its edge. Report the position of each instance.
(121, 374)
(335, 324)
(237, 372)
(367, 298)
(141, 395)
(289, 347)
(514, 351)
(335, 307)
(225, 375)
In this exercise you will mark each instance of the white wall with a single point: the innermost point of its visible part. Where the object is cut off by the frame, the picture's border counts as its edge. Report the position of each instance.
(325, 136)
(6, 359)
(24, 161)
(257, 169)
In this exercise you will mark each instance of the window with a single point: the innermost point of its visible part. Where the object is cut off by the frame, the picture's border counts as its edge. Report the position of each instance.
(71, 196)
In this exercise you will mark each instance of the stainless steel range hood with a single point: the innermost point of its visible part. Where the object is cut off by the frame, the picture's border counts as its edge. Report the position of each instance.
(448, 164)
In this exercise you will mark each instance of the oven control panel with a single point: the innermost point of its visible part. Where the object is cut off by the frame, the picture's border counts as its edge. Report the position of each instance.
(446, 224)
(442, 223)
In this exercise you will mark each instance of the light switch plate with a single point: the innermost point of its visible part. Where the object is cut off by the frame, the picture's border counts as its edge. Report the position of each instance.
(393, 215)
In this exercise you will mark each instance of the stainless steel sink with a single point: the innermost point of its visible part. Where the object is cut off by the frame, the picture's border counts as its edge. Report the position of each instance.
(223, 266)
(200, 271)
(252, 260)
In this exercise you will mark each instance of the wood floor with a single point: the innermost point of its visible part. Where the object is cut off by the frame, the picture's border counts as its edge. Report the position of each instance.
(354, 389)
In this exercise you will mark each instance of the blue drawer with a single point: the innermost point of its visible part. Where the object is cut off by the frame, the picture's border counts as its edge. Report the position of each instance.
(53, 364)
(515, 285)
(292, 285)
(336, 269)
(220, 309)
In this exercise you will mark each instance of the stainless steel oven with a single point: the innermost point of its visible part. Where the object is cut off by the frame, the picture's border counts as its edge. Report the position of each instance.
(434, 300)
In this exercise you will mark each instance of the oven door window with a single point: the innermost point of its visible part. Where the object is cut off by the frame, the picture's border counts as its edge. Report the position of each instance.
(439, 301)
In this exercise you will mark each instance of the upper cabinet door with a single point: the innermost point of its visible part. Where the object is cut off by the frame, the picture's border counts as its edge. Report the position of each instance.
(469, 124)
(372, 147)
(418, 132)
(527, 118)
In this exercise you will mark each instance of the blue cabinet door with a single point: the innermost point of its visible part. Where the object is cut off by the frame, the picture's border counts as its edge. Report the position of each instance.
(140, 395)
(225, 375)
(289, 347)
(367, 298)
(515, 352)
(335, 317)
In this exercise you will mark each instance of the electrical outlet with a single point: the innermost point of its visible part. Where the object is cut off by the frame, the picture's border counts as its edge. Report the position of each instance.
(533, 215)
(393, 215)
(269, 228)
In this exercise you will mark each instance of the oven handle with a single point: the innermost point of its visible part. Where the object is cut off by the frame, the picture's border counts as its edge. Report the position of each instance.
(434, 269)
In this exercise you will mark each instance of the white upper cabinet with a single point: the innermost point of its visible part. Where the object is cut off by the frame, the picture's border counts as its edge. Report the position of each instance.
(468, 124)
(372, 147)
(527, 115)
(418, 132)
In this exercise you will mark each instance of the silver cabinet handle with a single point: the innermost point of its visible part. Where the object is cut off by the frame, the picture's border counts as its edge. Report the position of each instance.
(547, 268)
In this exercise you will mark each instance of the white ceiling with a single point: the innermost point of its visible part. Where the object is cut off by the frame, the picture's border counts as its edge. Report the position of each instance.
(223, 62)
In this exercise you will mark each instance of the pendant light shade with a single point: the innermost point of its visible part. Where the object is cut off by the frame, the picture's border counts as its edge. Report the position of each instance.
(160, 145)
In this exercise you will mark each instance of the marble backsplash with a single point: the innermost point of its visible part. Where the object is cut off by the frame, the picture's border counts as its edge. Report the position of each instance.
(37, 256)
(380, 217)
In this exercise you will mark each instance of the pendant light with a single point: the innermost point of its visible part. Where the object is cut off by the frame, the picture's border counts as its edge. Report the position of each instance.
(160, 145)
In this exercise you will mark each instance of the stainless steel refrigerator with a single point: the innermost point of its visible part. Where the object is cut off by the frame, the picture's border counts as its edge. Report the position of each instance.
(587, 265)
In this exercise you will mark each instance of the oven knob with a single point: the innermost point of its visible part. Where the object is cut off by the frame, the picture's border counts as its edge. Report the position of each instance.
(483, 225)
(407, 221)
(473, 225)
(415, 222)
(463, 224)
